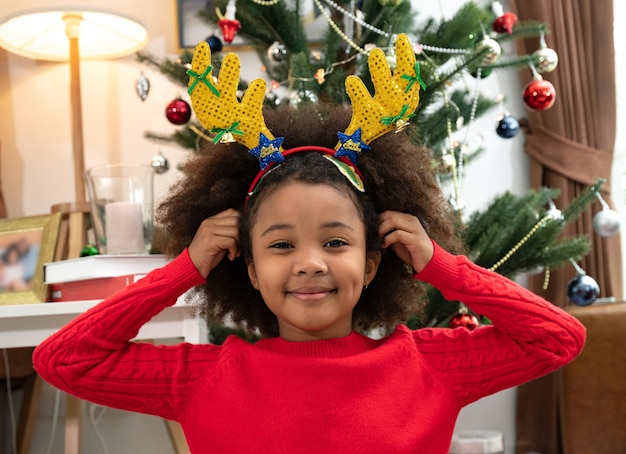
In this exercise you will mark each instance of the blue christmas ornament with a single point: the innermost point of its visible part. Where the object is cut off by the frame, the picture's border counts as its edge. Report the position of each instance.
(583, 290)
(508, 127)
(215, 44)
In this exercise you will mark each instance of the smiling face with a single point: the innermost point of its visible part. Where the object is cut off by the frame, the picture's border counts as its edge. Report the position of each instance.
(309, 259)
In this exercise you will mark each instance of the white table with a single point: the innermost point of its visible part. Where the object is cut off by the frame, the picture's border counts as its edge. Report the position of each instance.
(27, 325)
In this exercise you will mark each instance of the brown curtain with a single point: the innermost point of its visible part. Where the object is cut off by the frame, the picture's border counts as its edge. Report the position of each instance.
(570, 147)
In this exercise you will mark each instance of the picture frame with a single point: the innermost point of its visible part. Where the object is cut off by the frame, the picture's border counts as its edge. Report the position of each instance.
(191, 30)
(25, 245)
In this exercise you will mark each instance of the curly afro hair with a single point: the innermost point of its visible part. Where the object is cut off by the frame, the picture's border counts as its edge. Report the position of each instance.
(398, 176)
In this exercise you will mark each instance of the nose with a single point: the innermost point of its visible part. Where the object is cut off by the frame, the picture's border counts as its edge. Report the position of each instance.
(310, 261)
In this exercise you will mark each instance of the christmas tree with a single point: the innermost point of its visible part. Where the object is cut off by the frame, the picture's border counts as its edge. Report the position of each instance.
(513, 234)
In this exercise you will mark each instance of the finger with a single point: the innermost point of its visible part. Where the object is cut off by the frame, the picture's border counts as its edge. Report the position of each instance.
(225, 216)
(400, 237)
(391, 221)
(387, 223)
(227, 239)
(227, 244)
(233, 249)
(225, 225)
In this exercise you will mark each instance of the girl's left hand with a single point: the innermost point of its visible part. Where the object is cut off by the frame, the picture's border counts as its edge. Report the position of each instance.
(406, 236)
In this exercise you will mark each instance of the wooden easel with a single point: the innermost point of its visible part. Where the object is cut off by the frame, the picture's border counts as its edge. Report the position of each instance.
(73, 229)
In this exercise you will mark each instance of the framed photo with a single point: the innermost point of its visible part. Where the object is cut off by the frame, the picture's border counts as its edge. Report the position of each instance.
(25, 245)
(192, 30)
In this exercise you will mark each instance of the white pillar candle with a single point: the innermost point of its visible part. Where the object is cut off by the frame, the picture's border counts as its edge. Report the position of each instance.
(124, 228)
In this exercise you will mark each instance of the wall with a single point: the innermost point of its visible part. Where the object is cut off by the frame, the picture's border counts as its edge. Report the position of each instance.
(36, 167)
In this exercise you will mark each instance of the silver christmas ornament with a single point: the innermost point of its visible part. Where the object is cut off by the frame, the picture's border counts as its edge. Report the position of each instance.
(273, 99)
(448, 161)
(142, 86)
(160, 163)
(493, 50)
(300, 97)
(554, 213)
(545, 60)
(607, 222)
(457, 204)
(316, 56)
(277, 52)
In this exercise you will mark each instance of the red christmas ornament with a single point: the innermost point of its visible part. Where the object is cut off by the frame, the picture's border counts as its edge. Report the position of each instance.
(229, 28)
(464, 320)
(505, 23)
(178, 112)
(539, 94)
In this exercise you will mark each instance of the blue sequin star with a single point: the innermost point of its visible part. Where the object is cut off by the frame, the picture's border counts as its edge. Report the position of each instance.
(268, 150)
(351, 146)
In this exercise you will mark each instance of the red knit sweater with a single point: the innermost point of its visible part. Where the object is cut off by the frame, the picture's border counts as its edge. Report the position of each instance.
(400, 394)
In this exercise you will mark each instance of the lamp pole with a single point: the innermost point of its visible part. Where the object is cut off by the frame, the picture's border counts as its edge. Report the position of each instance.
(72, 25)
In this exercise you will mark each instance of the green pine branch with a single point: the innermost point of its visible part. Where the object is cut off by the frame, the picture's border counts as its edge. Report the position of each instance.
(580, 203)
(514, 235)
(186, 137)
(175, 71)
(265, 24)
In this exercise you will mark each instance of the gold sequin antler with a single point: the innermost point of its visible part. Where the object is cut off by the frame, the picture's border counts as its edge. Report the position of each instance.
(395, 99)
(219, 111)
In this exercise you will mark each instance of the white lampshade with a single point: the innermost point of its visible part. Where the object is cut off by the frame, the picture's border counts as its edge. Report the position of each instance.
(42, 35)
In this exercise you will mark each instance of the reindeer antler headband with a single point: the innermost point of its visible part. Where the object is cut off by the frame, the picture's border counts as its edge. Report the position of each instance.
(217, 107)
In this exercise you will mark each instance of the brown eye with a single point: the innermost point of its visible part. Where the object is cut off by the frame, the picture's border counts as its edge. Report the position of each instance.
(336, 243)
(281, 245)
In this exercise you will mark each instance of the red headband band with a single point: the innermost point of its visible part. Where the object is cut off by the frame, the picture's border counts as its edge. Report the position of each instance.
(345, 166)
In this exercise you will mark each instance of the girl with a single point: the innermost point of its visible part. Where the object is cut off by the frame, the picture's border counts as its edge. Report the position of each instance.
(310, 259)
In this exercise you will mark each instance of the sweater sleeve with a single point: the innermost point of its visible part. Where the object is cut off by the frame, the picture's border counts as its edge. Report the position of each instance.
(529, 337)
(93, 356)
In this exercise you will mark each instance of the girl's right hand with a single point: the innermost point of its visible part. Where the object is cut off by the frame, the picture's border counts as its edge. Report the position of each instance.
(215, 237)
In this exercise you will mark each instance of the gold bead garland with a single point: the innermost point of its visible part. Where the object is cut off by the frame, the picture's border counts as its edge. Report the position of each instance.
(546, 278)
(266, 2)
(521, 242)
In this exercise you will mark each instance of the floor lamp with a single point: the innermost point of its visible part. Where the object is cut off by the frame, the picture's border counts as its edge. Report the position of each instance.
(70, 34)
